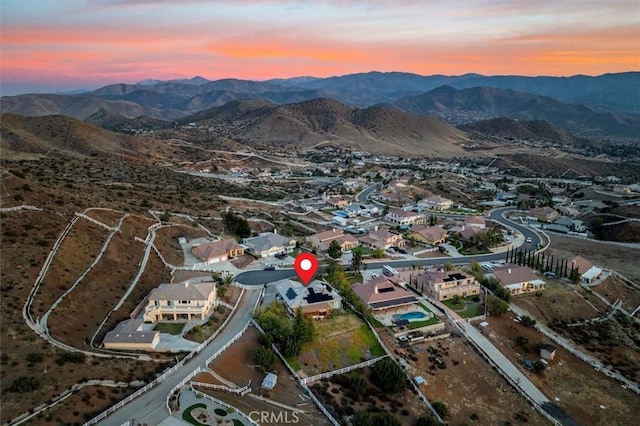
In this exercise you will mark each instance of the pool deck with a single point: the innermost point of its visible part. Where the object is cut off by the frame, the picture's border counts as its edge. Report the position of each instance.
(387, 317)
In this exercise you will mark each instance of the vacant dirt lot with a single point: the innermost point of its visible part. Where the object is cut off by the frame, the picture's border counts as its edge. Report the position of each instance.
(108, 217)
(570, 383)
(167, 241)
(613, 341)
(332, 392)
(618, 258)
(614, 289)
(460, 378)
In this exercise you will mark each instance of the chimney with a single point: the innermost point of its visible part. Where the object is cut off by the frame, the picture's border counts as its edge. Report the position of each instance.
(275, 231)
(186, 284)
(509, 271)
(375, 289)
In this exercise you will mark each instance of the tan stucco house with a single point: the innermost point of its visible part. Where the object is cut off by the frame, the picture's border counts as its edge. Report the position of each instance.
(185, 301)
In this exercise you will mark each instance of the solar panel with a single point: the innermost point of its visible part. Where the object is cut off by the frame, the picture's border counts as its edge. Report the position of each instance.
(314, 297)
(291, 293)
(394, 302)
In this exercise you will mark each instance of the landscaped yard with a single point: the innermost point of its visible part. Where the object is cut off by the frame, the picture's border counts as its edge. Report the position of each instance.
(342, 340)
(466, 306)
(169, 327)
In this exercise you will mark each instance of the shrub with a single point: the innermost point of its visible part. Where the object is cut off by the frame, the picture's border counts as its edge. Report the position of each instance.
(24, 384)
(35, 357)
(441, 409)
(388, 376)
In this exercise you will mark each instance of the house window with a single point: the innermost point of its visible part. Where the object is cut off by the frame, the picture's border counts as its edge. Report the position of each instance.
(169, 302)
(184, 302)
(156, 303)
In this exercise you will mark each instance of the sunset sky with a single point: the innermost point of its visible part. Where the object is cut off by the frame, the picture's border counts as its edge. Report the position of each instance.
(49, 45)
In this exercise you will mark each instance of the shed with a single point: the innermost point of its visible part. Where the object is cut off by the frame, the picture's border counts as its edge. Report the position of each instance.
(182, 240)
(547, 352)
(269, 381)
(419, 380)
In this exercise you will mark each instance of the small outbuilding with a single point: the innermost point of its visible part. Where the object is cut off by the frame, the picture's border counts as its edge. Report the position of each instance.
(547, 352)
(269, 381)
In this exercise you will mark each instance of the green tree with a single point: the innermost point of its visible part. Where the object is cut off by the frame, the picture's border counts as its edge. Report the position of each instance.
(356, 261)
(335, 251)
(362, 418)
(388, 376)
(357, 383)
(441, 409)
(449, 266)
(433, 220)
(427, 421)
(496, 306)
(455, 299)
(265, 357)
(378, 253)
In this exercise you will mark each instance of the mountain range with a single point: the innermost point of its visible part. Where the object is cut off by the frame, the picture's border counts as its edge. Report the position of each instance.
(603, 106)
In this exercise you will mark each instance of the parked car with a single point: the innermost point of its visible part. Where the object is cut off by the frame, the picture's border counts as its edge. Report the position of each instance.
(529, 239)
(401, 250)
(270, 268)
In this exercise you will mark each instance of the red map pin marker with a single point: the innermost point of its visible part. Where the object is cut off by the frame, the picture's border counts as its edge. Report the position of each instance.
(306, 266)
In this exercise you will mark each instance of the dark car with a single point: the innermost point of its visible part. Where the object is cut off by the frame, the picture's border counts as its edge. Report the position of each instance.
(270, 268)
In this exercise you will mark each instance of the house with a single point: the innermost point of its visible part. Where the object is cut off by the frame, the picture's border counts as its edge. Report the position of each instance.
(184, 301)
(435, 203)
(217, 251)
(403, 217)
(269, 244)
(337, 201)
(587, 270)
(382, 238)
(544, 214)
(322, 240)
(129, 335)
(547, 352)
(317, 300)
(518, 279)
(269, 382)
(384, 293)
(475, 222)
(443, 285)
(433, 235)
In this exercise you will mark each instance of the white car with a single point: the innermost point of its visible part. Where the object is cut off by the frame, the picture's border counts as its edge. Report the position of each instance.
(529, 239)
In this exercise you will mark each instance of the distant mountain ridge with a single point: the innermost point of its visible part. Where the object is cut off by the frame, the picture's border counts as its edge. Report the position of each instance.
(608, 105)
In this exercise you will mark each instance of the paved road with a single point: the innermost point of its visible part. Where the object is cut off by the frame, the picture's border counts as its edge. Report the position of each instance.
(260, 278)
(150, 407)
(504, 364)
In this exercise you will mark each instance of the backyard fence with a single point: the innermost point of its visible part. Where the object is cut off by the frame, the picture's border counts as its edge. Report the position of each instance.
(176, 388)
(239, 391)
(343, 370)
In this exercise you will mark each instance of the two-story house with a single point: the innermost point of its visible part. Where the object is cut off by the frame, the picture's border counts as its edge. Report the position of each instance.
(185, 301)
(443, 285)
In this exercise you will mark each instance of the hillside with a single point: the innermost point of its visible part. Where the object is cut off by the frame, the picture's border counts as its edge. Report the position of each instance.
(510, 129)
(379, 130)
(39, 136)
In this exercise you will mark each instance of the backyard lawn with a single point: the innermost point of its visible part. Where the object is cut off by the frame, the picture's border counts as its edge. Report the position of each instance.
(466, 307)
(342, 340)
(169, 327)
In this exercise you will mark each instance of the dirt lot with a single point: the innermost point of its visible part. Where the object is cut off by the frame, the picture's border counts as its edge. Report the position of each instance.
(237, 365)
(619, 258)
(332, 392)
(613, 289)
(484, 393)
(167, 241)
(111, 278)
(613, 342)
(570, 383)
(108, 217)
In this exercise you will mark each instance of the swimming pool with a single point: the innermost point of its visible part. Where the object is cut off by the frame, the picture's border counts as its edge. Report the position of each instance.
(410, 316)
